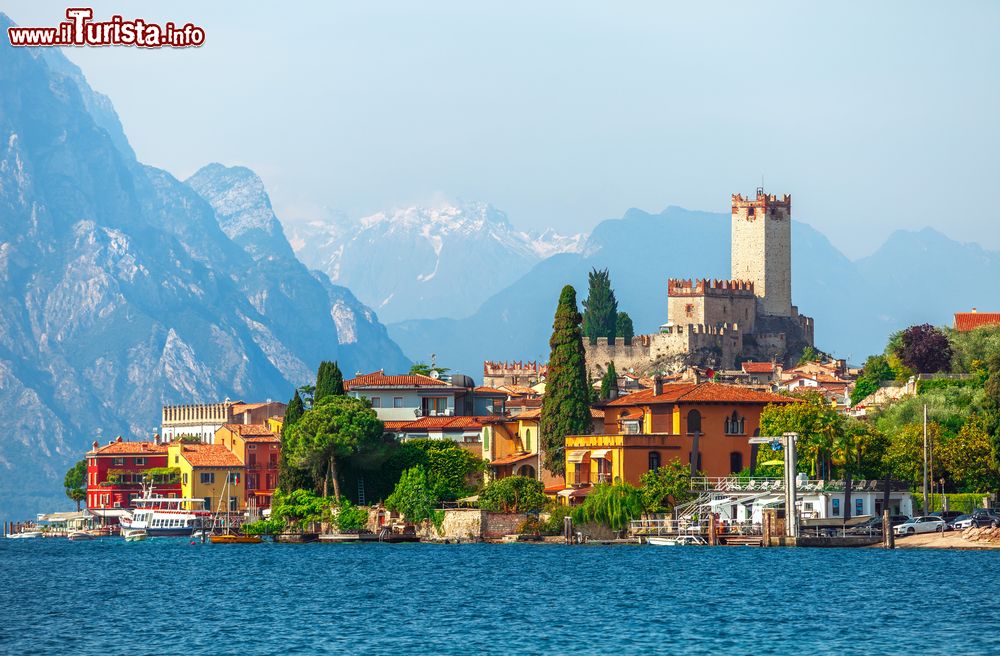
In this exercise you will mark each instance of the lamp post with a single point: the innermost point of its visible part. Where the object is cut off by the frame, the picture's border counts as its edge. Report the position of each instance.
(787, 442)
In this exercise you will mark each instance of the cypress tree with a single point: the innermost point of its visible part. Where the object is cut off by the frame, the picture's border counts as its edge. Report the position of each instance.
(329, 381)
(291, 477)
(296, 408)
(565, 406)
(624, 328)
(609, 383)
(600, 310)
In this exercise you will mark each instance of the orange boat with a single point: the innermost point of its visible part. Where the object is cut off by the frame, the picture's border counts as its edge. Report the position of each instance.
(229, 538)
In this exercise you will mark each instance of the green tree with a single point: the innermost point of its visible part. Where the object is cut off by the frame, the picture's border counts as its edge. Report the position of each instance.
(969, 459)
(291, 477)
(514, 494)
(294, 410)
(972, 349)
(350, 518)
(413, 496)
(75, 482)
(424, 369)
(600, 309)
(452, 471)
(905, 454)
(609, 384)
(307, 392)
(565, 406)
(336, 427)
(666, 487)
(299, 508)
(624, 328)
(875, 372)
(809, 354)
(329, 381)
(818, 424)
(611, 505)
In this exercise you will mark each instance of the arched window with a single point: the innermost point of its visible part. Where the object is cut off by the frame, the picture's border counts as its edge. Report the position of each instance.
(654, 460)
(694, 422)
(735, 462)
(734, 424)
(527, 471)
(527, 439)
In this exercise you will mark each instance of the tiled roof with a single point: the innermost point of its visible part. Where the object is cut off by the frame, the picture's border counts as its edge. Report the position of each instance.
(439, 423)
(246, 430)
(758, 367)
(379, 379)
(702, 392)
(536, 413)
(965, 321)
(239, 407)
(209, 455)
(490, 391)
(519, 390)
(129, 448)
(511, 459)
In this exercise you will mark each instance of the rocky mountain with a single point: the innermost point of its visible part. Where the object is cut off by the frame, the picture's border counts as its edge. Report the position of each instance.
(423, 262)
(914, 277)
(123, 288)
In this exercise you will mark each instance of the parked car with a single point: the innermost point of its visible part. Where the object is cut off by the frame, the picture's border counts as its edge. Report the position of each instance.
(926, 524)
(985, 518)
(874, 525)
(962, 522)
(946, 515)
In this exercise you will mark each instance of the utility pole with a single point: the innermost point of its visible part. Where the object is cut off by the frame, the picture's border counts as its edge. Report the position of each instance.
(926, 507)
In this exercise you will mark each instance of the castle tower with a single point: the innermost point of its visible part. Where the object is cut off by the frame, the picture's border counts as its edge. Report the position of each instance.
(762, 249)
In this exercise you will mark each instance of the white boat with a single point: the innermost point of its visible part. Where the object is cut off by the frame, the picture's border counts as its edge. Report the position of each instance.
(79, 536)
(25, 535)
(164, 516)
(678, 541)
(134, 534)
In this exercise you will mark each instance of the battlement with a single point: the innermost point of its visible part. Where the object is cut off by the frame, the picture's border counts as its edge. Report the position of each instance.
(518, 367)
(762, 201)
(700, 329)
(709, 287)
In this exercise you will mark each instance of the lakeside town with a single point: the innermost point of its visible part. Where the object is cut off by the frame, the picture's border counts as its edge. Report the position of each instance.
(726, 426)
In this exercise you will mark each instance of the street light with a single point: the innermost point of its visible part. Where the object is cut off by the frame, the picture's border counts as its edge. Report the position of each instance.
(787, 442)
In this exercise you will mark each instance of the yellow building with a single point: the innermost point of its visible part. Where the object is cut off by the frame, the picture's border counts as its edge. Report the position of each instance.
(275, 424)
(205, 470)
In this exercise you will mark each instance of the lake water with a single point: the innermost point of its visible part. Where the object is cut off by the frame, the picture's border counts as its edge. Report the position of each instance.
(170, 597)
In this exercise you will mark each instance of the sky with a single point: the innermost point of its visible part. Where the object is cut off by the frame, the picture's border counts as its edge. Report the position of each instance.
(874, 116)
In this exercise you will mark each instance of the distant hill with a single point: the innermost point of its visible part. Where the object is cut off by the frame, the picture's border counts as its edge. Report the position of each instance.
(914, 277)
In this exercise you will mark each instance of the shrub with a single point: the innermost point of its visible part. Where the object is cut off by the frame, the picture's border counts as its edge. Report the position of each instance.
(613, 506)
(514, 494)
(350, 518)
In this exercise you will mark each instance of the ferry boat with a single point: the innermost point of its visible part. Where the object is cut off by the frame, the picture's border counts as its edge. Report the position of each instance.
(163, 516)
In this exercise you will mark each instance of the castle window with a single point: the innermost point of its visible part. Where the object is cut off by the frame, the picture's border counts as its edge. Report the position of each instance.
(689, 310)
(735, 424)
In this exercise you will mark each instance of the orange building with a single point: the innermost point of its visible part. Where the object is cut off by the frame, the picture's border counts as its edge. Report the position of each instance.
(258, 448)
(655, 426)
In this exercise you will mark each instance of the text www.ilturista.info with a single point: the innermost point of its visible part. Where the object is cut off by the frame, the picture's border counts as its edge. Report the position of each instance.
(81, 30)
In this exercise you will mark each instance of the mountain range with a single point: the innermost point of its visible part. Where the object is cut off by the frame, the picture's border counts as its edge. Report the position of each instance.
(124, 288)
(426, 262)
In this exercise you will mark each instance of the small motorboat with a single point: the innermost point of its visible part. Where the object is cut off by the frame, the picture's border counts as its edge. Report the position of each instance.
(134, 534)
(25, 535)
(230, 538)
(679, 541)
(79, 536)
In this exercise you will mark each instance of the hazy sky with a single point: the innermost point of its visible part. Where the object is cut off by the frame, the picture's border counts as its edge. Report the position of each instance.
(874, 116)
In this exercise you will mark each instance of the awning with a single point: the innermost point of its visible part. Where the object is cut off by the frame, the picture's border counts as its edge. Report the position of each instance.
(601, 454)
(719, 502)
(575, 456)
(575, 493)
(509, 460)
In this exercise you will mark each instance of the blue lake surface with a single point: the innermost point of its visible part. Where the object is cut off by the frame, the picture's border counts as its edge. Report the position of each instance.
(166, 596)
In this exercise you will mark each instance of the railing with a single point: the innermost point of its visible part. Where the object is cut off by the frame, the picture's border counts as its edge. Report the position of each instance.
(762, 484)
(668, 527)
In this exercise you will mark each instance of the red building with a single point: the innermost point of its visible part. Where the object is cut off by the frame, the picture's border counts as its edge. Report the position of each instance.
(259, 449)
(115, 473)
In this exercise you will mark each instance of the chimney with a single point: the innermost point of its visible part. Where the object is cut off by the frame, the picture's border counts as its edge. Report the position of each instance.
(973, 310)
(95, 445)
(657, 385)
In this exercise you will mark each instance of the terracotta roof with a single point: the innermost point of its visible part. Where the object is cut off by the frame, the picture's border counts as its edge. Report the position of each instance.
(239, 407)
(490, 391)
(379, 379)
(519, 390)
(702, 392)
(511, 459)
(128, 448)
(209, 455)
(439, 423)
(965, 321)
(536, 413)
(758, 367)
(630, 414)
(596, 413)
(246, 430)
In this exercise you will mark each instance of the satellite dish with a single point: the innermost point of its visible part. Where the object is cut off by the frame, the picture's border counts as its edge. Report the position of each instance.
(435, 374)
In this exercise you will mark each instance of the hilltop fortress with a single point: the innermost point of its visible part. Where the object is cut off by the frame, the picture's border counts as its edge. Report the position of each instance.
(715, 323)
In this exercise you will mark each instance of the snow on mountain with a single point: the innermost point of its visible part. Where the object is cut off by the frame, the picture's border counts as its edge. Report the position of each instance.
(427, 262)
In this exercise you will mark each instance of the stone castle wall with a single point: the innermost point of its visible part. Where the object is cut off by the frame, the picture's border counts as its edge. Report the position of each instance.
(672, 341)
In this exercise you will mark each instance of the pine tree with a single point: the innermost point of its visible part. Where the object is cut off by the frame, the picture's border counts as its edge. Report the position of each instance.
(565, 406)
(294, 410)
(624, 329)
(600, 310)
(329, 381)
(609, 383)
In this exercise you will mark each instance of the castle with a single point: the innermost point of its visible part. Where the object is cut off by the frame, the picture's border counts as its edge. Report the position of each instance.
(714, 323)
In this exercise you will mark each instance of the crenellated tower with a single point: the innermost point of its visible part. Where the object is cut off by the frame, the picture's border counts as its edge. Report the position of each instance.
(762, 249)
